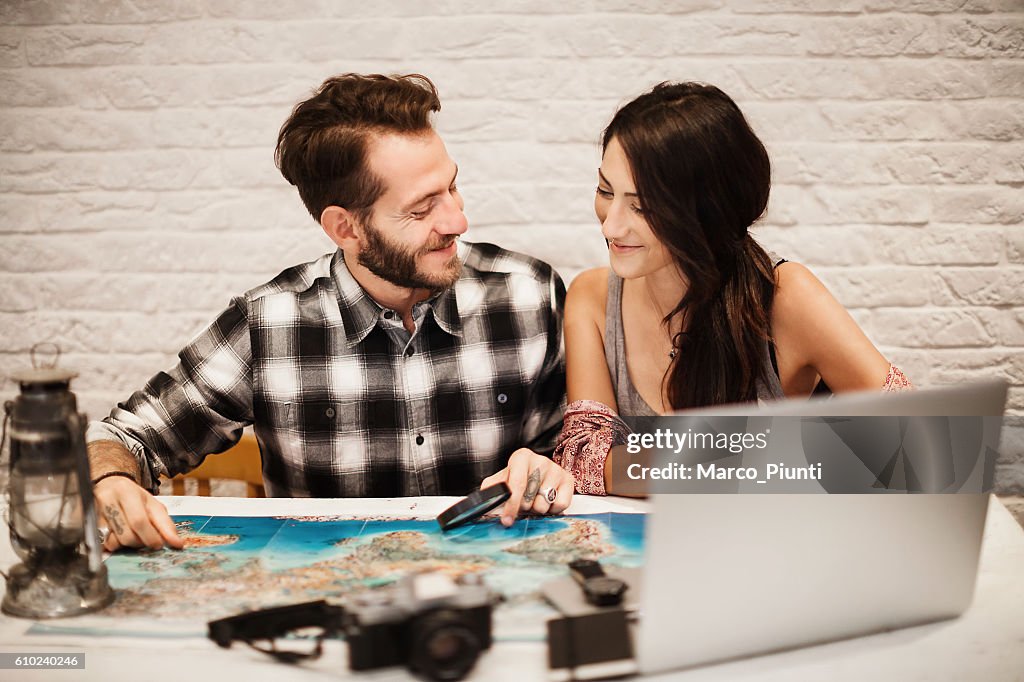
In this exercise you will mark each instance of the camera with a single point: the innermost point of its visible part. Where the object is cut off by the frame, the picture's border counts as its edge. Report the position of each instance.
(432, 624)
(592, 638)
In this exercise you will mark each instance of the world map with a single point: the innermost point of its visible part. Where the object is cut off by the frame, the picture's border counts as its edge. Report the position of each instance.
(235, 564)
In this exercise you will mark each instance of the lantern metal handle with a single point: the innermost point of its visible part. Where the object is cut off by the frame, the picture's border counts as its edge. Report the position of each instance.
(44, 362)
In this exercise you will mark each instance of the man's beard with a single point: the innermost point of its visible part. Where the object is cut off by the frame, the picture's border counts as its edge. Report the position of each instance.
(396, 265)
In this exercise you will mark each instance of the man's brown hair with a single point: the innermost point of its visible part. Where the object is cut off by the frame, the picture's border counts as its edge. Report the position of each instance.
(321, 148)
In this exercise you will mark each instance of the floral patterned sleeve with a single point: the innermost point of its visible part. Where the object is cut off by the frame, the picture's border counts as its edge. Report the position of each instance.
(896, 381)
(591, 429)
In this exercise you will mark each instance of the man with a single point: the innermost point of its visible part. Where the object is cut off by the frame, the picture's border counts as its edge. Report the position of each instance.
(405, 363)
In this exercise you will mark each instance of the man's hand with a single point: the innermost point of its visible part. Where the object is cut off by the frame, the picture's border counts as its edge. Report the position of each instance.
(537, 484)
(135, 518)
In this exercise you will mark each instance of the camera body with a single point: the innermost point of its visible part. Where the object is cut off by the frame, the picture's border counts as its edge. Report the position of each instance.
(592, 638)
(434, 625)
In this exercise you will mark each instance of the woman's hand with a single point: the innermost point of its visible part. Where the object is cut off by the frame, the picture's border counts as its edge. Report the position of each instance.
(537, 485)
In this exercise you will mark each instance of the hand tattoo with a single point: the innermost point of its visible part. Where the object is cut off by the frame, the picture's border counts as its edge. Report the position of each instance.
(532, 485)
(114, 519)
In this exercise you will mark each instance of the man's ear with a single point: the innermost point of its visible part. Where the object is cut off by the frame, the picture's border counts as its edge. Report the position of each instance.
(341, 226)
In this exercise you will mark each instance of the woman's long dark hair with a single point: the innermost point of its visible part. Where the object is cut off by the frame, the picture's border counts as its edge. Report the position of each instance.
(702, 178)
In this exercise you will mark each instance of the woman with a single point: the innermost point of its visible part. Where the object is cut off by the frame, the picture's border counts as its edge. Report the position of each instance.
(693, 312)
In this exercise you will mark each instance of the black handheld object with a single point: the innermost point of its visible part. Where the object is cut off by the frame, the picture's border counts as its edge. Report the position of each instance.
(598, 588)
(473, 506)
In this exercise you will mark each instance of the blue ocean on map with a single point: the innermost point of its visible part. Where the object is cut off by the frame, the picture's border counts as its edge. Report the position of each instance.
(283, 543)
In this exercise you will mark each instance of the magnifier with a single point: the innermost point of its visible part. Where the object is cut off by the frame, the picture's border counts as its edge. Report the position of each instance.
(473, 506)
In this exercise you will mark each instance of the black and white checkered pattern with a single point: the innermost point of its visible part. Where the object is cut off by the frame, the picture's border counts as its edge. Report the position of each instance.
(344, 401)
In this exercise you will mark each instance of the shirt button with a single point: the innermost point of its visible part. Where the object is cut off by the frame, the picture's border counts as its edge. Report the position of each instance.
(329, 412)
(388, 314)
(502, 398)
(419, 439)
(409, 351)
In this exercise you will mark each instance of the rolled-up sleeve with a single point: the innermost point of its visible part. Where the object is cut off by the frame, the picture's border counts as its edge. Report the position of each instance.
(197, 408)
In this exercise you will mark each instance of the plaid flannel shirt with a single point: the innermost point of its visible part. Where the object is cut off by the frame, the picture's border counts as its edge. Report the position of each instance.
(345, 401)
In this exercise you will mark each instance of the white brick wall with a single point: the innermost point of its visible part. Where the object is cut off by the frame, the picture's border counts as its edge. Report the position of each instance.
(138, 192)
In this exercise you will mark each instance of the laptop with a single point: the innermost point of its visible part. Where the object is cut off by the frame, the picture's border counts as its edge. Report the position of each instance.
(729, 576)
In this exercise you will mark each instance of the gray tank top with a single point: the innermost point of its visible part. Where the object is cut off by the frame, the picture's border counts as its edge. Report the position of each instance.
(631, 403)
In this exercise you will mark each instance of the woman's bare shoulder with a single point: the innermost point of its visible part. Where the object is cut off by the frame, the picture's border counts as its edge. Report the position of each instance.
(795, 277)
(800, 295)
(589, 291)
(813, 329)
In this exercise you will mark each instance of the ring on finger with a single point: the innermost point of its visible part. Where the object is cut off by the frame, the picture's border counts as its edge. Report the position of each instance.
(103, 532)
(548, 494)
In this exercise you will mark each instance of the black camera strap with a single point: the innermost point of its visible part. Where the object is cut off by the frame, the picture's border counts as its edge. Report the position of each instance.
(286, 656)
(269, 625)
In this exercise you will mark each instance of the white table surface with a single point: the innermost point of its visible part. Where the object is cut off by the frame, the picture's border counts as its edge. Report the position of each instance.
(986, 643)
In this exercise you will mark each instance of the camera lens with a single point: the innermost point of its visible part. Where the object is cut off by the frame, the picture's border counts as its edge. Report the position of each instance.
(444, 647)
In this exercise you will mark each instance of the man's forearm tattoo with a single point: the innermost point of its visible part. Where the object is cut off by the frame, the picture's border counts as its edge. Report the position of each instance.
(113, 518)
(532, 485)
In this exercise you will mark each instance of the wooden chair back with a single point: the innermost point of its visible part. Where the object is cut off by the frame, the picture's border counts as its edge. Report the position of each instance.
(239, 463)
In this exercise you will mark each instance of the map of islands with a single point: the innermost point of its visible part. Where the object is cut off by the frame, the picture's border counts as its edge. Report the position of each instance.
(235, 564)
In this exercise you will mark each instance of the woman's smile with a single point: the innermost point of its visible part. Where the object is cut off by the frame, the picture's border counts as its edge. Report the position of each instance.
(624, 249)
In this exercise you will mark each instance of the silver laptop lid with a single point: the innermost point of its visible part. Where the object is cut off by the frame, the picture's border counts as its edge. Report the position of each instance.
(735, 575)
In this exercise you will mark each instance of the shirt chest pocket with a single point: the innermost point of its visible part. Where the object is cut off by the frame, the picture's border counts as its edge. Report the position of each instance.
(314, 417)
(504, 404)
